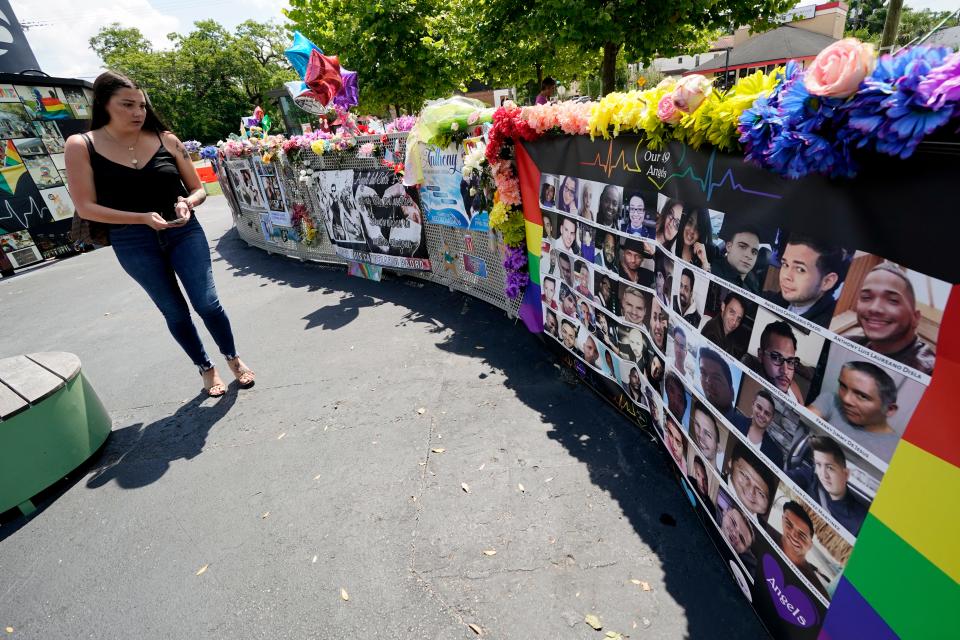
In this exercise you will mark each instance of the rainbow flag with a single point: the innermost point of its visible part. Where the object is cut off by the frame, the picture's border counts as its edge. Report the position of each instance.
(530, 310)
(903, 578)
(12, 168)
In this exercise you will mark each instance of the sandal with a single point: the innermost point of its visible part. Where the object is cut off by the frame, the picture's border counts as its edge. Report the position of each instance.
(216, 389)
(245, 377)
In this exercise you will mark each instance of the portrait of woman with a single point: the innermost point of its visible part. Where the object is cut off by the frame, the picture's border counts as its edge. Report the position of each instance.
(548, 194)
(668, 223)
(694, 238)
(568, 195)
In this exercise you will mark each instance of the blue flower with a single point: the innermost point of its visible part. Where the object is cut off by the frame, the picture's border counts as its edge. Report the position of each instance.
(887, 114)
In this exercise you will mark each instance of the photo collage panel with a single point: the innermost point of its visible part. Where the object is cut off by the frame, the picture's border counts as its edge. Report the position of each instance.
(33, 146)
(779, 367)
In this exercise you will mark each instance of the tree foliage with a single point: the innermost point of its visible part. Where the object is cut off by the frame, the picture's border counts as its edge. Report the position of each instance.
(643, 30)
(398, 47)
(208, 79)
(866, 17)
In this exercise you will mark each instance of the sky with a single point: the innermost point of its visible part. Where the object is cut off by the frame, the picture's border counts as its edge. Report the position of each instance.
(62, 46)
(61, 42)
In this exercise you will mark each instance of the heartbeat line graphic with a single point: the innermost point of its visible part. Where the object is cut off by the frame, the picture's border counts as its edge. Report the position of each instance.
(707, 182)
(23, 218)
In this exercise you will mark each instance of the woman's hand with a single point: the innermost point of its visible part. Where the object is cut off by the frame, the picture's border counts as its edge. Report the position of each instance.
(701, 252)
(155, 221)
(182, 209)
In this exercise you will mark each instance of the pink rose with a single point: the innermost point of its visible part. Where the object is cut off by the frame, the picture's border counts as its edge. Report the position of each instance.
(691, 91)
(839, 69)
(667, 111)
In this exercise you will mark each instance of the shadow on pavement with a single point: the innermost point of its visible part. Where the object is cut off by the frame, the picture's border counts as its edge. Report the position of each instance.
(138, 455)
(623, 461)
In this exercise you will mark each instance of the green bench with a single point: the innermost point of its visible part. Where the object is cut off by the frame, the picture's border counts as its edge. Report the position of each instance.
(51, 421)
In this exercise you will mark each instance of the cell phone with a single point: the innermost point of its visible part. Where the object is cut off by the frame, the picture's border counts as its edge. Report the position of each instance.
(179, 221)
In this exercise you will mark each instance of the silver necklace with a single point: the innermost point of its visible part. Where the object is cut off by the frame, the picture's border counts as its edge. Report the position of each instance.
(131, 149)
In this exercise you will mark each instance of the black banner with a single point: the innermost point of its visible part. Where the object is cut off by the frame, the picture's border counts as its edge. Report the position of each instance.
(779, 335)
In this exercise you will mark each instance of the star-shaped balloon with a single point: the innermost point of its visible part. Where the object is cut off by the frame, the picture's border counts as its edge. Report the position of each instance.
(298, 53)
(323, 76)
(349, 94)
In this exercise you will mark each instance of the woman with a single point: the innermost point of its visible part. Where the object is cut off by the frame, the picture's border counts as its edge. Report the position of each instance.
(668, 224)
(568, 195)
(133, 175)
(548, 194)
(694, 238)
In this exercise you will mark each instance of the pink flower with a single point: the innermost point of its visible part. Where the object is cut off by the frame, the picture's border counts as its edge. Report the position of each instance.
(690, 92)
(366, 149)
(667, 111)
(839, 69)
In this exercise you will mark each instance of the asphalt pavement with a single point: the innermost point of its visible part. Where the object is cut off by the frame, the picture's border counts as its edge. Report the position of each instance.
(409, 463)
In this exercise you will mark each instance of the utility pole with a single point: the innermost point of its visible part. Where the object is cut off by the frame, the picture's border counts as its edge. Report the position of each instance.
(890, 26)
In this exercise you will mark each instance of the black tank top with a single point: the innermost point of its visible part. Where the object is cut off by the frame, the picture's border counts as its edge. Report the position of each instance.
(155, 187)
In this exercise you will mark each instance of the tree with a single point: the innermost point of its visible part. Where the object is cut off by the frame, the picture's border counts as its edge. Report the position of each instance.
(867, 17)
(398, 47)
(643, 30)
(208, 79)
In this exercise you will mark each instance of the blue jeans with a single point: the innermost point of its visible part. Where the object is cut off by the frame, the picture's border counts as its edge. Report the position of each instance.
(156, 259)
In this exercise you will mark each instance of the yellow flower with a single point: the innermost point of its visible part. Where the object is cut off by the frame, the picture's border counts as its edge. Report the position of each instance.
(498, 214)
(317, 147)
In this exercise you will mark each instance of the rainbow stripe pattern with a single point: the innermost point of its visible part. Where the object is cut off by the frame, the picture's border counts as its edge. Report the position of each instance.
(903, 579)
(12, 168)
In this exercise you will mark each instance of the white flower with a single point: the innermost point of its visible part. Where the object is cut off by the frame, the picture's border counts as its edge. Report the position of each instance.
(454, 126)
(473, 191)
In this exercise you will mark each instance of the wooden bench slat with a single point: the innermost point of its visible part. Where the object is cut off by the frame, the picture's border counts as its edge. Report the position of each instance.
(10, 403)
(27, 378)
(65, 365)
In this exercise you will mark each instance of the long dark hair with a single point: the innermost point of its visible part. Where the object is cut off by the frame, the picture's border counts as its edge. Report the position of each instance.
(107, 84)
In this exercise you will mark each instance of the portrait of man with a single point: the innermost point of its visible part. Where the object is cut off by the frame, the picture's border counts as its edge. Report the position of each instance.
(739, 534)
(568, 334)
(634, 305)
(684, 302)
(701, 485)
(656, 415)
(706, 434)
(582, 277)
(797, 540)
(632, 255)
(568, 301)
(565, 266)
(776, 360)
(590, 352)
(568, 236)
(716, 380)
(888, 317)
(736, 267)
(604, 331)
(634, 387)
(655, 370)
(682, 359)
(753, 483)
(826, 483)
(677, 399)
(606, 257)
(585, 315)
(810, 270)
(864, 400)
(663, 277)
(548, 297)
(659, 325)
(550, 324)
(726, 329)
(755, 426)
(676, 444)
(610, 201)
(606, 294)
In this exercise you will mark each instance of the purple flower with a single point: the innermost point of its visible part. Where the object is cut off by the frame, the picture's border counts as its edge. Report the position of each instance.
(942, 84)
(889, 114)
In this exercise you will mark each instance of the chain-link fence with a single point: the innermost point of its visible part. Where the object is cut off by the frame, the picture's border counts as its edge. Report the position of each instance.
(446, 246)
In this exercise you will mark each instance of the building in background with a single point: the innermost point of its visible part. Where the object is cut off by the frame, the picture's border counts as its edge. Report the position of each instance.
(805, 32)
